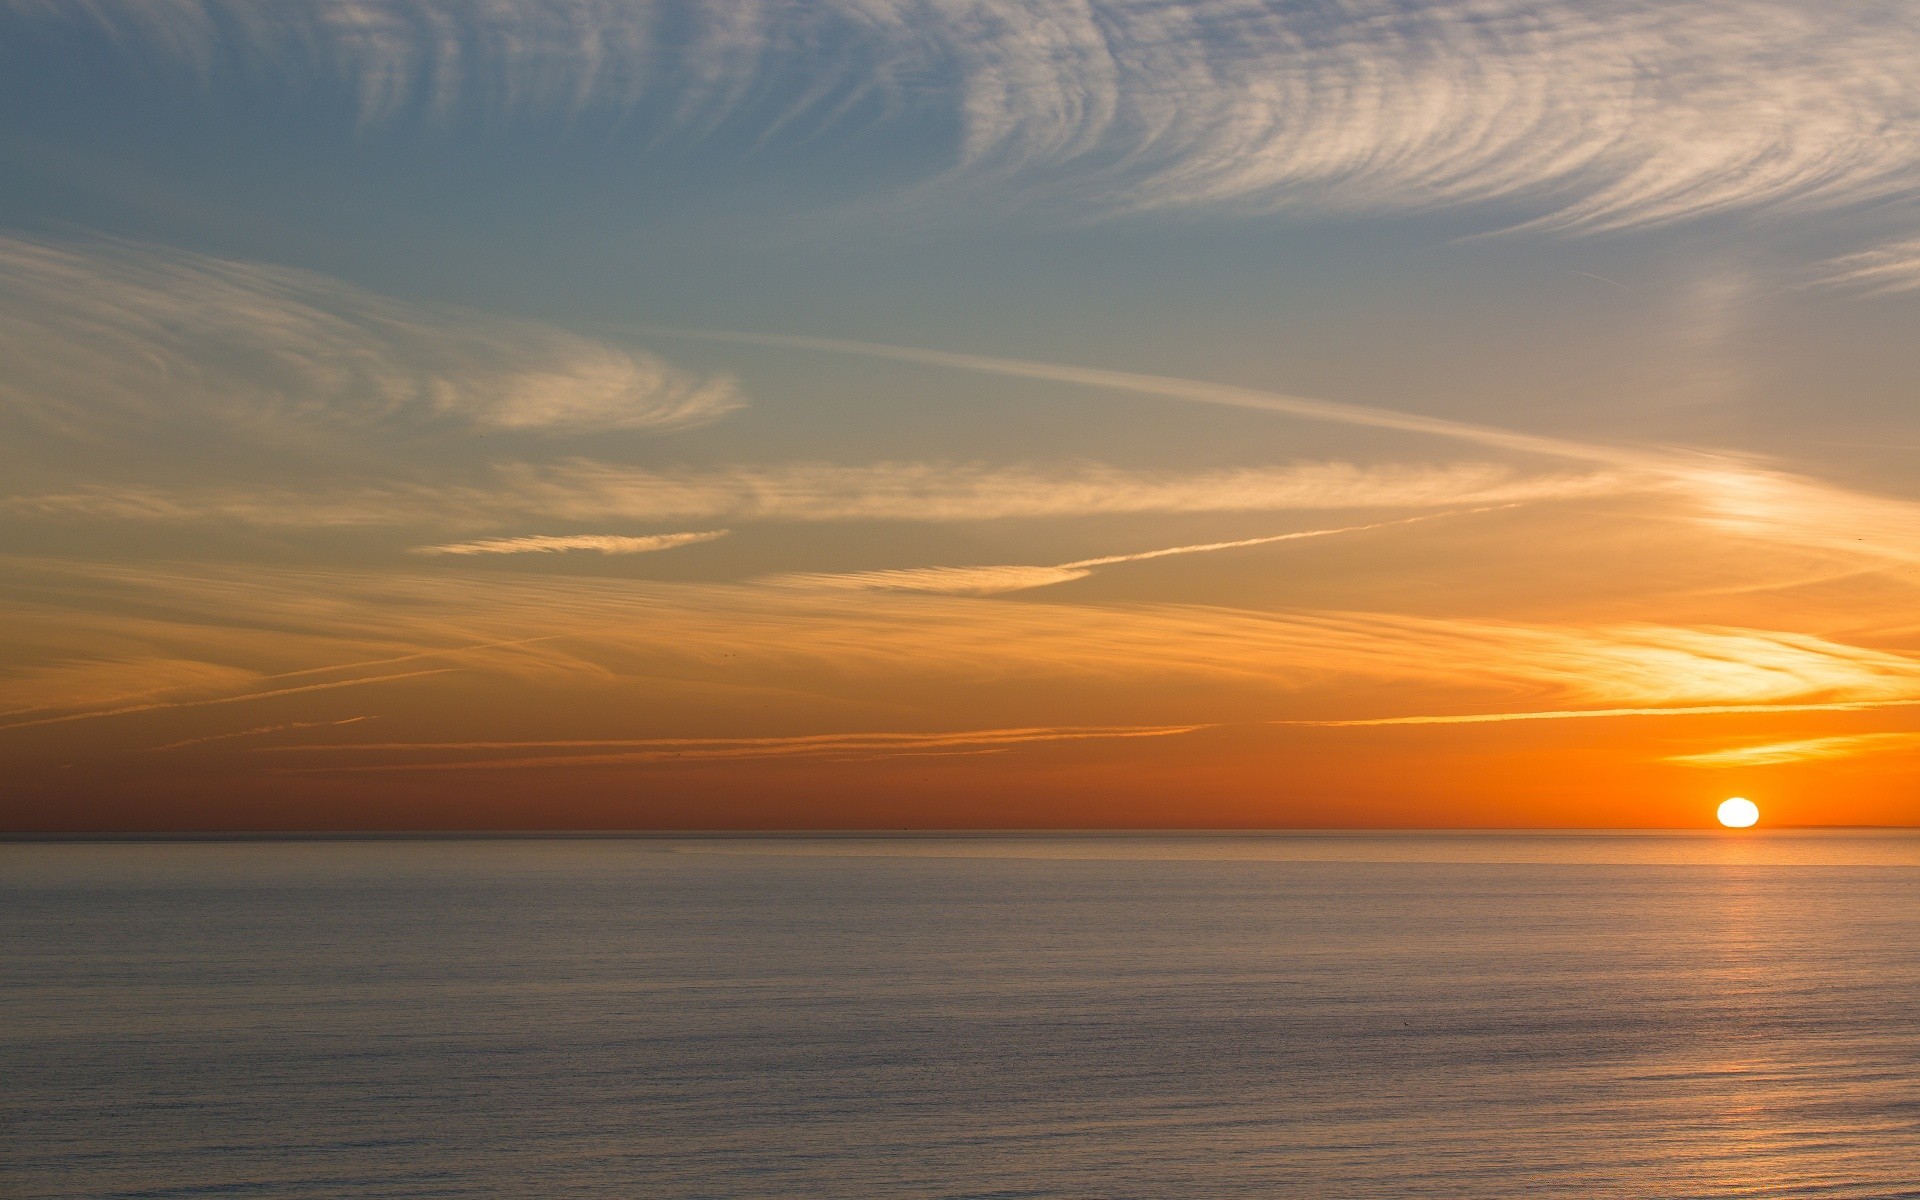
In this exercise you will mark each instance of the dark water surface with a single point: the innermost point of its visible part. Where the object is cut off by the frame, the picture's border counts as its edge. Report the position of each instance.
(1312, 1015)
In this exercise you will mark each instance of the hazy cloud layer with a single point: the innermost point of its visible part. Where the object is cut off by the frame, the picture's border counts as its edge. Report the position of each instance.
(191, 639)
(97, 336)
(1589, 113)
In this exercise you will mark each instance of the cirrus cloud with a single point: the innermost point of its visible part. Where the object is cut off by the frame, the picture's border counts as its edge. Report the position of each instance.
(98, 335)
(1589, 114)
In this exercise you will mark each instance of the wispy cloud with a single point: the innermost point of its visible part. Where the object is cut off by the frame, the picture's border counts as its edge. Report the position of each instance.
(1777, 506)
(1601, 115)
(1593, 115)
(1881, 271)
(1803, 750)
(105, 338)
(585, 490)
(989, 580)
(598, 542)
(74, 682)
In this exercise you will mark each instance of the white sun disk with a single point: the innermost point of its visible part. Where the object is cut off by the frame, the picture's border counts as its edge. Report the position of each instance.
(1738, 813)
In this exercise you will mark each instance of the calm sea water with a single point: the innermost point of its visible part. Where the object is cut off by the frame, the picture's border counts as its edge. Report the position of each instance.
(1314, 1016)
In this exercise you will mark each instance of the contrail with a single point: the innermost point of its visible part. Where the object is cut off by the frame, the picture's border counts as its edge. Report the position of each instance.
(1203, 547)
(989, 580)
(139, 708)
(259, 731)
(1200, 392)
(1732, 491)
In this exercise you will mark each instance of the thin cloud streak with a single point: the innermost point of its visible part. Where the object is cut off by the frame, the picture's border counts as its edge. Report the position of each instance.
(1692, 710)
(919, 491)
(1803, 750)
(953, 581)
(599, 543)
(586, 490)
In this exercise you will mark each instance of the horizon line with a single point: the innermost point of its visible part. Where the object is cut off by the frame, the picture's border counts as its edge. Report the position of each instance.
(877, 833)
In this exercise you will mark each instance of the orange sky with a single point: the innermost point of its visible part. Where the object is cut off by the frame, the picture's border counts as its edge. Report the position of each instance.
(422, 415)
(304, 699)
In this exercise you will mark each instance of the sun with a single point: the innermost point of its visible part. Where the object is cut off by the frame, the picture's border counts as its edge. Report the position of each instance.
(1738, 813)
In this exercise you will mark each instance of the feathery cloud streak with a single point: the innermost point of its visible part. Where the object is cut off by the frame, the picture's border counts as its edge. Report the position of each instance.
(1592, 113)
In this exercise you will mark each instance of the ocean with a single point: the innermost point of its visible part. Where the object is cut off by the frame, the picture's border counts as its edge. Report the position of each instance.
(1289, 1015)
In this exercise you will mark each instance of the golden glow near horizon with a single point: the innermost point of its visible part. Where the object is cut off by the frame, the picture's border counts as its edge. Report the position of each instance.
(1738, 813)
(956, 422)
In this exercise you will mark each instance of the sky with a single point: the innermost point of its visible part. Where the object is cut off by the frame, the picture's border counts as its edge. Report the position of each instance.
(902, 414)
